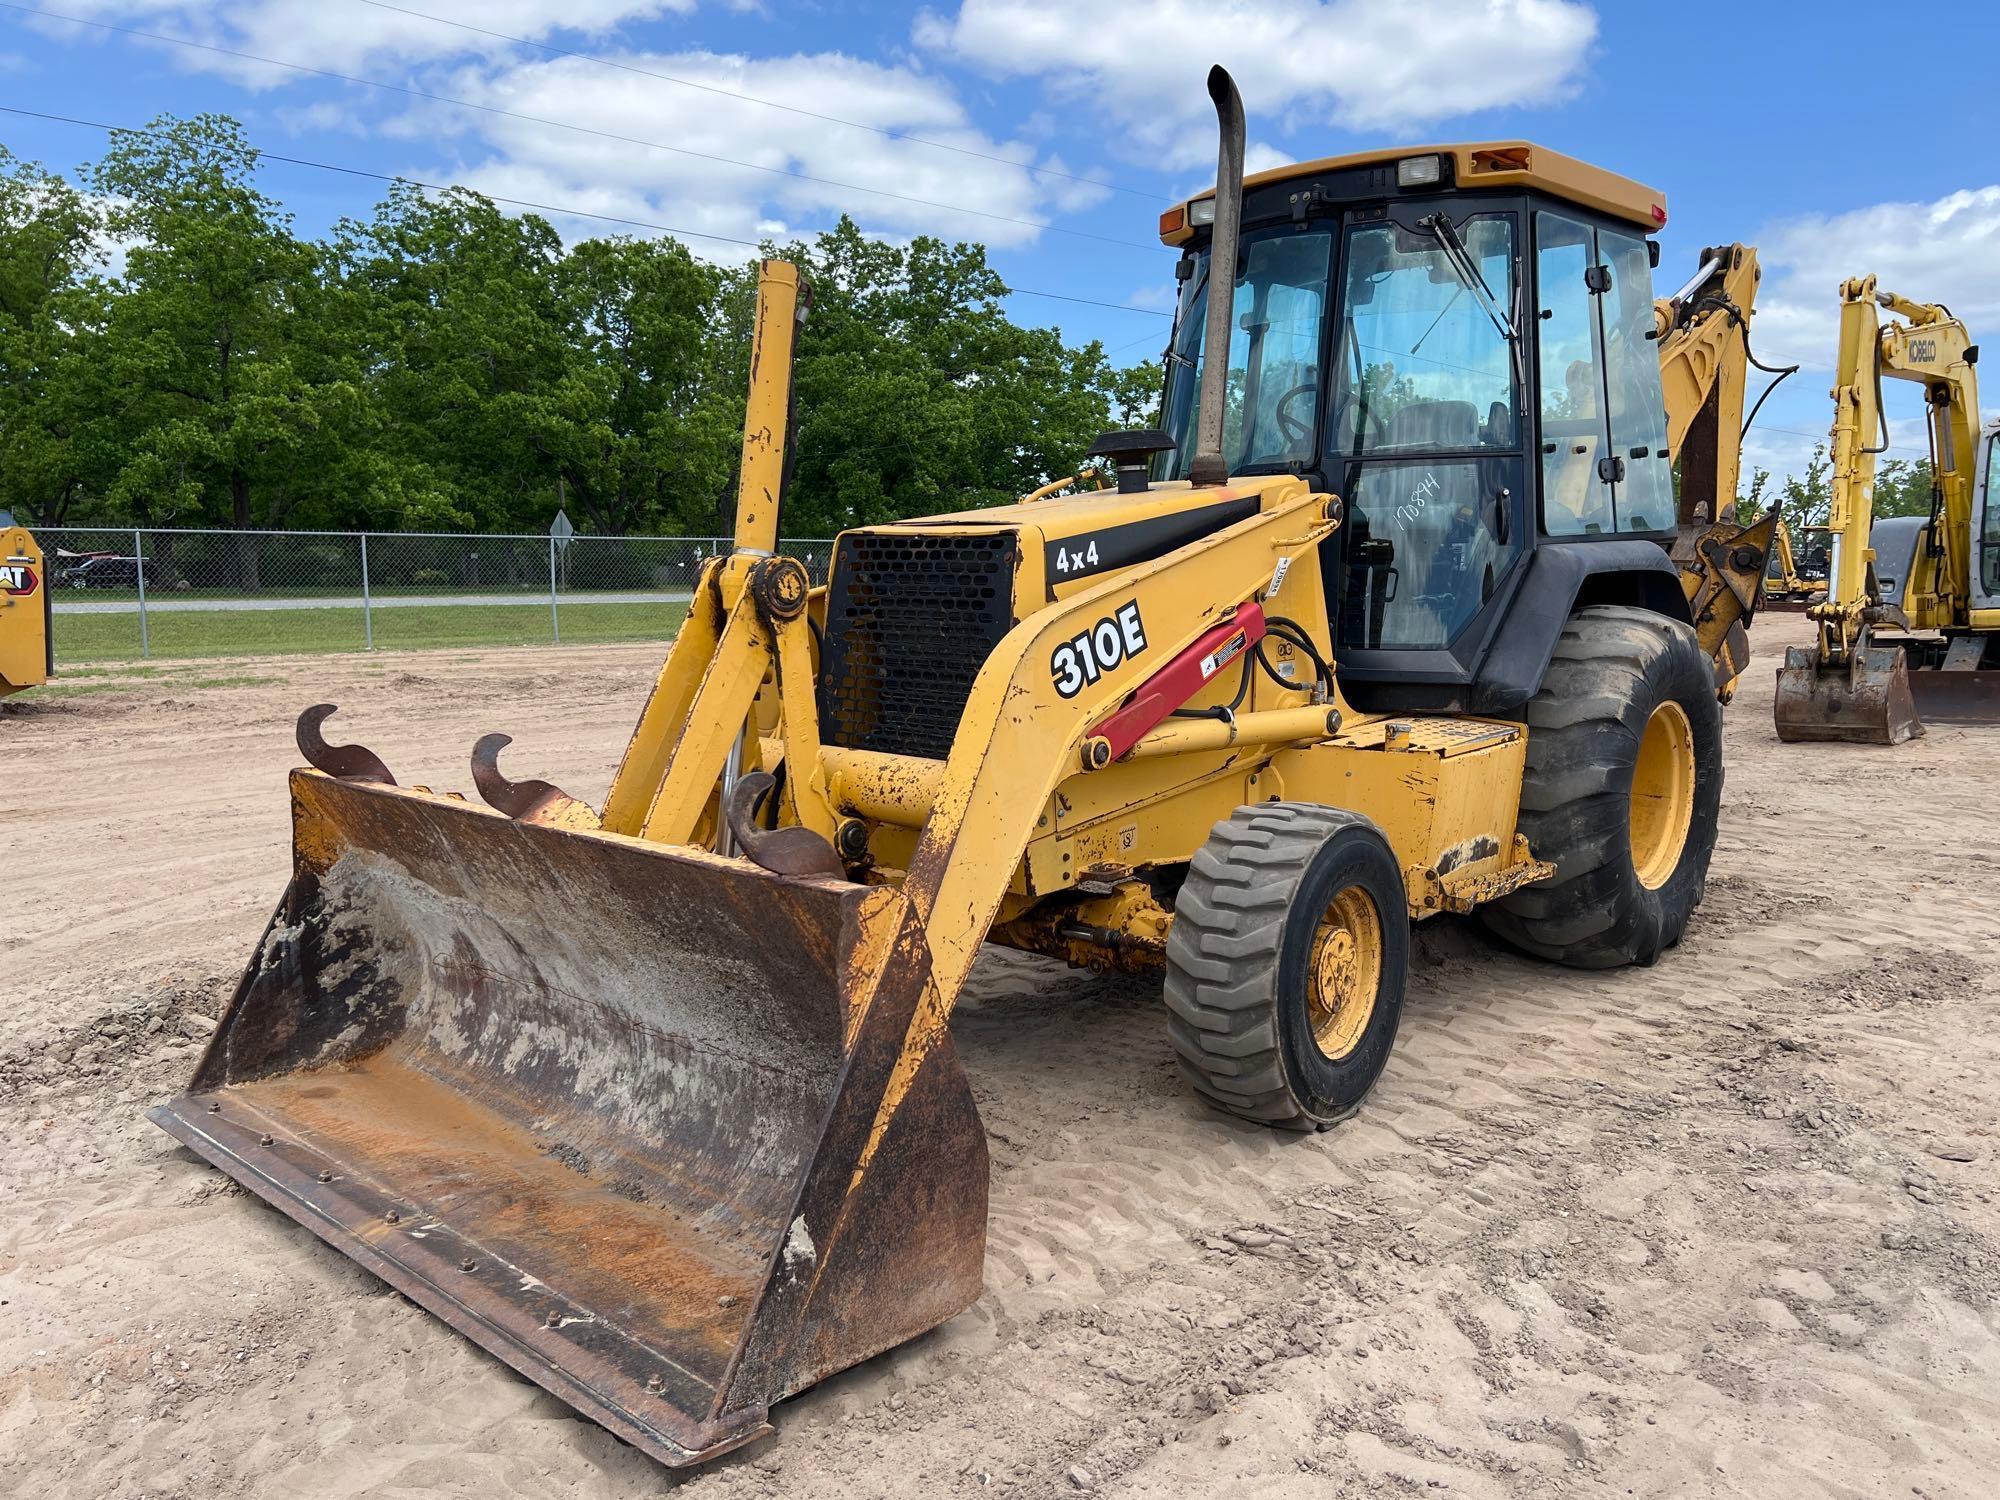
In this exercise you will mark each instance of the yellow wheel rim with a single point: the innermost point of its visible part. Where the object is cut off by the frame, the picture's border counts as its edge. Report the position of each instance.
(1345, 972)
(1662, 795)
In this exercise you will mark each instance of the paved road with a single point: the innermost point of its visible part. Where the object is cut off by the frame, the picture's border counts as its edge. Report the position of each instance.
(156, 605)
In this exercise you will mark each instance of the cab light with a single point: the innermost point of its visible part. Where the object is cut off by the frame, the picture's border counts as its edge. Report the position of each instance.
(1418, 171)
(1201, 211)
(1174, 220)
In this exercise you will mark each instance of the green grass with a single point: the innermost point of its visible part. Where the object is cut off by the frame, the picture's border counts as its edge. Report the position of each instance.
(281, 632)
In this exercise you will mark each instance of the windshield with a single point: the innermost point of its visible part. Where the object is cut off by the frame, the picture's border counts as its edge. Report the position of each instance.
(1425, 354)
(1271, 417)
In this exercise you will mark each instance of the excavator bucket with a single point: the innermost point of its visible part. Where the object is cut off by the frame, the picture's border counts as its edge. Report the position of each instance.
(644, 1122)
(1863, 700)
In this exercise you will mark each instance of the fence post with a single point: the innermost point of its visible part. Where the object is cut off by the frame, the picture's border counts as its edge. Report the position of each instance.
(555, 620)
(139, 572)
(367, 614)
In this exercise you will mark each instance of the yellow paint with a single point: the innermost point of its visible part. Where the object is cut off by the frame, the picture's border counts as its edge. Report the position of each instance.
(1519, 165)
(1662, 804)
(1932, 348)
(24, 612)
(762, 471)
(1344, 972)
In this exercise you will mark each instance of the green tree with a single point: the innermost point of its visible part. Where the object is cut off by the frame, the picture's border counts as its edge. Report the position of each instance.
(243, 402)
(1903, 487)
(916, 393)
(641, 432)
(443, 365)
(461, 323)
(49, 404)
(1750, 502)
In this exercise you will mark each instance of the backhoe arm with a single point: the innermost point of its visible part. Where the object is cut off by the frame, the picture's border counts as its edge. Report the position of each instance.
(1930, 347)
(1704, 337)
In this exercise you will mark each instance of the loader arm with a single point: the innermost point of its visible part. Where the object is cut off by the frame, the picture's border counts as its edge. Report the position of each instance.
(1021, 736)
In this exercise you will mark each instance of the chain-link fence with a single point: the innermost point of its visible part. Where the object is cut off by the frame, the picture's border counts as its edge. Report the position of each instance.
(124, 593)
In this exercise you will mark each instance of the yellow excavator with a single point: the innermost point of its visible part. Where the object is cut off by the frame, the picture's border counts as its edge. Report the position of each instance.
(659, 1101)
(27, 651)
(1932, 582)
(1789, 585)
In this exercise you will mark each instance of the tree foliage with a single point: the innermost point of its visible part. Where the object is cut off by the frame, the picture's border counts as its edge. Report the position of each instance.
(443, 365)
(1903, 487)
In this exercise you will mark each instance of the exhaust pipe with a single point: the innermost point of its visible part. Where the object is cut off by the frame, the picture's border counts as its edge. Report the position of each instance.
(1209, 466)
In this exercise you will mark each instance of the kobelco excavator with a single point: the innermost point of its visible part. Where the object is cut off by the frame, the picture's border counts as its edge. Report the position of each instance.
(27, 651)
(1935, 579)
(659, 1101)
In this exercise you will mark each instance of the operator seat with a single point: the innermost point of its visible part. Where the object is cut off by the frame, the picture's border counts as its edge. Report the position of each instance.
(1434, 424)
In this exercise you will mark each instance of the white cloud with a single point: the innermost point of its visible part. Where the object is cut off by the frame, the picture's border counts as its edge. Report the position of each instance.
(1947, 250)
(878, 174)
(684, 188)
(1160, 296)
(346, 36)
(1379, 65)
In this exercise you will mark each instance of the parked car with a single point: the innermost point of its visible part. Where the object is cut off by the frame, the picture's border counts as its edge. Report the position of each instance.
(108, 573)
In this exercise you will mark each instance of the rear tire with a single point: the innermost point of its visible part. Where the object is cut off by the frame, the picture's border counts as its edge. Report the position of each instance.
(1286, 964)
(1623, 784)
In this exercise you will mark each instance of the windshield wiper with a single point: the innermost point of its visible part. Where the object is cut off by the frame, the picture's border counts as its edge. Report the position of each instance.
(1466, 269)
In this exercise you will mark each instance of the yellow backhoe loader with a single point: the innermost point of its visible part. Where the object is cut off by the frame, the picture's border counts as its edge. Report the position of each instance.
(659, 1101)
(1937, 574)
(27, 652)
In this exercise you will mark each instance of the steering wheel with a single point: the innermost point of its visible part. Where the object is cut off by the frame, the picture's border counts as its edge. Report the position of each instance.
(1296, 432)
(1375, 430)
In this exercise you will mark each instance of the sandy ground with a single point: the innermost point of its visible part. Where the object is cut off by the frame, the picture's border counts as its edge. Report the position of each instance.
(1725, 1226)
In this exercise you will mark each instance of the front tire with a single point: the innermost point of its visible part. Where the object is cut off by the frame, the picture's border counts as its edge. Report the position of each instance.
(1623, 785)
(1286, 964)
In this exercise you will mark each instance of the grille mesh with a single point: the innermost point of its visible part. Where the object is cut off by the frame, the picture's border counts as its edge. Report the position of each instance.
(910, 620)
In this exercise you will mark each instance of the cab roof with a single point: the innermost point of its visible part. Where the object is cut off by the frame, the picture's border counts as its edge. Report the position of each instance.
(1478, 164)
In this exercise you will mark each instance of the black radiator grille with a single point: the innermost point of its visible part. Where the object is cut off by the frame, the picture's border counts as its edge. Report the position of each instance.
(910, 620)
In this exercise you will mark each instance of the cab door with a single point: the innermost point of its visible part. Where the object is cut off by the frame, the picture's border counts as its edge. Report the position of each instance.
(1606, 470)
(1986, 528)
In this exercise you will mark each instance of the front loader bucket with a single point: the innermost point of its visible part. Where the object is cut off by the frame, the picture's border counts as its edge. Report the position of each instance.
(1864, 700)
(629, 1116)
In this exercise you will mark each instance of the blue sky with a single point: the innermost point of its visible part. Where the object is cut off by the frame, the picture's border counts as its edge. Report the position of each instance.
(1064, 126)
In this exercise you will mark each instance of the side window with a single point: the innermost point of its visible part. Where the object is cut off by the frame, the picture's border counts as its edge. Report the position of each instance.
(1989, 535)
(1645, 492)
(1575, 500)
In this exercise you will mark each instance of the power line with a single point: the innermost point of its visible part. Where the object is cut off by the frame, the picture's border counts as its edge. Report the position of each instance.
(509, 114)
(709, 88)
(548, 208)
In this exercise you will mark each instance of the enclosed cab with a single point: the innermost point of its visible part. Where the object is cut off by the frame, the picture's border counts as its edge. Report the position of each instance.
(1460, 342)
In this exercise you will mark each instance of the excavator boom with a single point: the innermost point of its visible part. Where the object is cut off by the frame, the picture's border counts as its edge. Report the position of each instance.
(1854, 683)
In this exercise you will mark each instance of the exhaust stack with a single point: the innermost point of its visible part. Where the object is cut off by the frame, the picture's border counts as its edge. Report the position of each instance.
(1209, 466)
